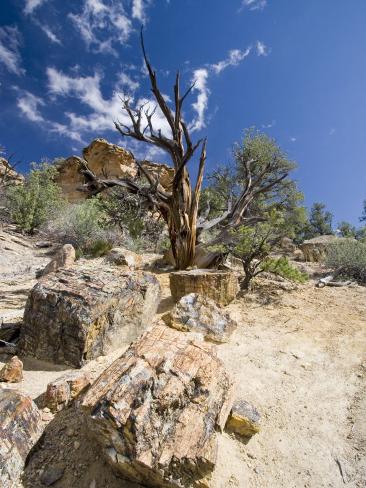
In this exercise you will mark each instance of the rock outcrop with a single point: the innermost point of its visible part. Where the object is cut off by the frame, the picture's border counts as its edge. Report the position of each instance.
(244, 419)
(12, 371)
(65, 389)
(20, 429)
(64, 258)
(197, 313)
(221, 286)
(9, 176)
(155, 410)
(107, 161)
(315, 250)
(91, 309)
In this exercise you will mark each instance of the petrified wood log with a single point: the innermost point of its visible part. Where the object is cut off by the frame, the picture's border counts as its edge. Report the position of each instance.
(155, 410)
(80, 313)
(62, 391)
(20, 428)
(221, 286)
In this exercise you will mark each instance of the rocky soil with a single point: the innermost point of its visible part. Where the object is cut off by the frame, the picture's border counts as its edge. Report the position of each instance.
(298, 355)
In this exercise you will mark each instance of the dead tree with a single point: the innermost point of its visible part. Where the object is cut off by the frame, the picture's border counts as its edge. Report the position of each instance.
(178, 207)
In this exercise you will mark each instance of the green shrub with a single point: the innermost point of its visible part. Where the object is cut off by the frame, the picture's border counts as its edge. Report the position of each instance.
(283, 268)
(85, 226)
(32, 204)
(348, 259)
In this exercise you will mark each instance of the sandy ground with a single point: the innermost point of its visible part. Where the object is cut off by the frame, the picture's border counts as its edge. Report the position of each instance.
(299, 356)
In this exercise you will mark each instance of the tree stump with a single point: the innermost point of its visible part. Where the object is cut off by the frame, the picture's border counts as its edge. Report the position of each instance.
(221, 286)
(156, 409)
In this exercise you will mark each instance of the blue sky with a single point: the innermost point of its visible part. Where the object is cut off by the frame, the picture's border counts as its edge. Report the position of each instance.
(294, 69)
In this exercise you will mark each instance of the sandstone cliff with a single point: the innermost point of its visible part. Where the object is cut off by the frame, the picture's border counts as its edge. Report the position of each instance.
(106, 160)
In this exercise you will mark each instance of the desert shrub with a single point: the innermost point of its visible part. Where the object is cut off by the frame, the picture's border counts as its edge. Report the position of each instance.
(85, 226)
(282, 267)
(142, 229)
(348, 259)
(32, 204)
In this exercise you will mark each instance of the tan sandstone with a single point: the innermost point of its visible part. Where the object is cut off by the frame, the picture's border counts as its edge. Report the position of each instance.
(12, 372)
(64, 258)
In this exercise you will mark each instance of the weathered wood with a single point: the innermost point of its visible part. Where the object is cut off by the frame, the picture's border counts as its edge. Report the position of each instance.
(80, 313)
(155, 410)
(221, 286)
(20, 428)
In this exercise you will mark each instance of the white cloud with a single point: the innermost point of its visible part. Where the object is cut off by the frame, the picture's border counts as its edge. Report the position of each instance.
(126, 81)
(31, 5)
(234, 58)
(200, 77)
(138, 10)
(293, 139)
(254, 4)
(262, 49)
(29, 105)
(102, 22)
(269, 126)
(10, 40)
(51, 35)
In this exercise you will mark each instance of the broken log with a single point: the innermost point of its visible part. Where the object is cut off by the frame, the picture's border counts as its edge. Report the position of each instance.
(156, 409)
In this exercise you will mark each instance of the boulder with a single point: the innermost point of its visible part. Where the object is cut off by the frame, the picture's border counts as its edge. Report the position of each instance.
(298, 255)
(108, 161)
(64, 258)
(8, 176)
(155, 411)
(315, 250)
(287, 245)
(197, 313)
(62, 391)
(12, 371)
(244, 419)
(123, 257)
(20, 428)
(83, 312)
(221, 286)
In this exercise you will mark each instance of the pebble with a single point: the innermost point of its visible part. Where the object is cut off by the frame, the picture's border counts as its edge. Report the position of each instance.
(52, 474)
(70, 432)
(76, 445)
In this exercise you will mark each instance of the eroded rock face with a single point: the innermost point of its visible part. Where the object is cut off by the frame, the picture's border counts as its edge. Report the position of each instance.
(65, 389)
(221, 286)
(12, 371)
(83, 312)
(197, 313)
(20, 429)
(107, 161)
(64, 258)
(155, 410)
(9, 176)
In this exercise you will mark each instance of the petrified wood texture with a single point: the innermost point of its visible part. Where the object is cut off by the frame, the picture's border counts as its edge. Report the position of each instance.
(80, 313)
(221, 286)
(20, 428)
(155, 410)
(62, 391)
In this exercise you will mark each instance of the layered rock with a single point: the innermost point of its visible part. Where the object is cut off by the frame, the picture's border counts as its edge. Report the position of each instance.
(65, 389)
(221, 286)
(107, 161)
(20, 429)
(9, 176)
(91, 309)
(64, 258)
(12, 371)
(155, 410)
(197, 313)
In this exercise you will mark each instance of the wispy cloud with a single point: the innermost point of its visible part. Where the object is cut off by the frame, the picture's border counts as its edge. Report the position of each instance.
(138, 10)
(31, 5)
(30, 105)
(254, 4)
(262, 49)
(332, 131)
(200, 77)
(101, 23)
(293, 139)
(234, 58)
(50, 34)
(10, 40)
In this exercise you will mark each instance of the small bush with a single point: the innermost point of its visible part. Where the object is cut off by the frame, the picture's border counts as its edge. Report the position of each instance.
(283, 268)
(348, 259)
(84, 225)
(32, 204)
